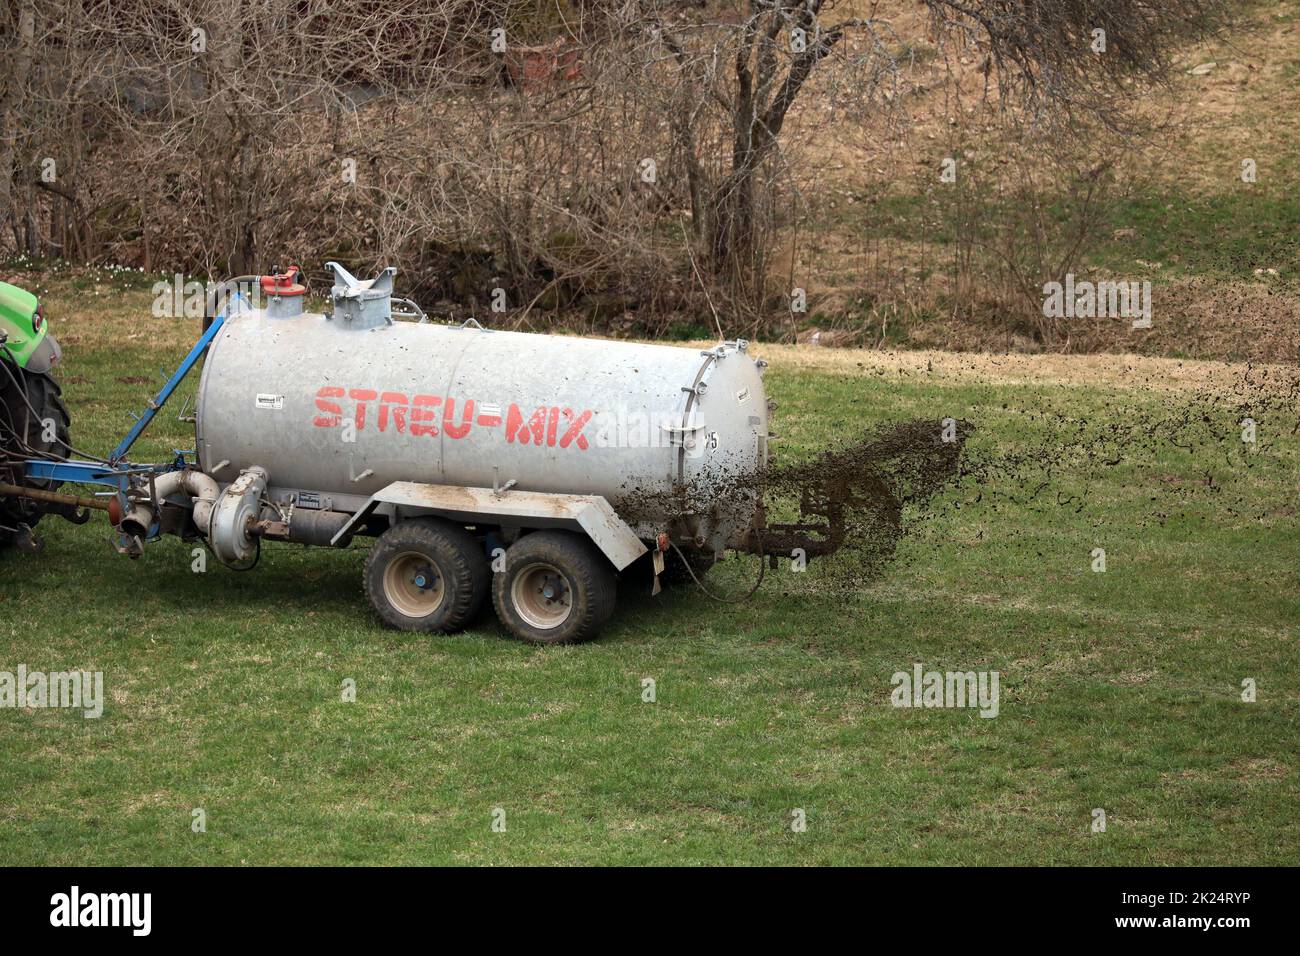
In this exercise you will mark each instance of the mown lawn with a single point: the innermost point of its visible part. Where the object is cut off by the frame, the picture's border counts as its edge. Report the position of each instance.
(1120, 690)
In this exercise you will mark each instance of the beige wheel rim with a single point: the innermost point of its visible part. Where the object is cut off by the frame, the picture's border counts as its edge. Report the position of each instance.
(413, 585)
(542, 596)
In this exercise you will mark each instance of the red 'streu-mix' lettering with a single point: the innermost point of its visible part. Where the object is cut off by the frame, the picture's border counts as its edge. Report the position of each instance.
(430, 415)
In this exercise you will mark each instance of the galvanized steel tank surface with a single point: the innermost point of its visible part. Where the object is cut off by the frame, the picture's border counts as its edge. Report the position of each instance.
(344, 411)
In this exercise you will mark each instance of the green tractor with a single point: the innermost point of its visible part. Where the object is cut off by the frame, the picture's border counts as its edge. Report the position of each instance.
(33, 418)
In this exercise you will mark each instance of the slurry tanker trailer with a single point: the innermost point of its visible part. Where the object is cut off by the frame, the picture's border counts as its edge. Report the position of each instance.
(536, 468)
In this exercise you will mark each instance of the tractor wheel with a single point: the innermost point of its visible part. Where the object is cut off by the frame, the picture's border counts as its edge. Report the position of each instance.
(33, 424)
(425, 574)
(556, 588)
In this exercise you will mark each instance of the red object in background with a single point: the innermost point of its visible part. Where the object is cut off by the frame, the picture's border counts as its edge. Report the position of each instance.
(530, 67)
(285, 283)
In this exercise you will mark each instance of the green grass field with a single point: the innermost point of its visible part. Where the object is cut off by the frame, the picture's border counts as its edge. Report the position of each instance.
(1119, 690)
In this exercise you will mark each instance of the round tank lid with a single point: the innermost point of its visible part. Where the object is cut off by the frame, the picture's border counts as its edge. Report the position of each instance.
(284, 283)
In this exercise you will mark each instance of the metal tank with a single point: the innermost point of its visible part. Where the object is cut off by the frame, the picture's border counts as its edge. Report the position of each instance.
(533, 469)
(336, 408)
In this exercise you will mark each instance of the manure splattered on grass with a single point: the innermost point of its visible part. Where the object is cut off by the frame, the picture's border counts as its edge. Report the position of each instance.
(856, 501)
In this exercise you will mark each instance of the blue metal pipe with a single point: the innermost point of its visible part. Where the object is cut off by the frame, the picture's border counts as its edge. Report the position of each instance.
(118, 454)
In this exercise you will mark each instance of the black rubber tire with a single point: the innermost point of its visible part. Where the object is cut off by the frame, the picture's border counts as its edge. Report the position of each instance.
(18, 389)
(587, 573)
(452, 552)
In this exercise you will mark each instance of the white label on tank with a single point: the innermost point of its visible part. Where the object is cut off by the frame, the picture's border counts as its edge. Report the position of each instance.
(742, 396)
(274, 402)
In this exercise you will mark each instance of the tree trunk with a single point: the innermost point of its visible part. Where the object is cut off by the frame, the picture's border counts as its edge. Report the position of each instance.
(237, 181)
(735, 244)
(15, 91)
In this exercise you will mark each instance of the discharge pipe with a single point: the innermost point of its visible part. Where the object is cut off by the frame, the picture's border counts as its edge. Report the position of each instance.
(202, 489)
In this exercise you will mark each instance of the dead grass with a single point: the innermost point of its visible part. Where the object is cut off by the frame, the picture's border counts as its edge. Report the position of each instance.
(1122, 371)
(1245, 106)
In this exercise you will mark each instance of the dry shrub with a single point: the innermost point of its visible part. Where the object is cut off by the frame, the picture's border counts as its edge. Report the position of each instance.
(1020, 219)
(217, 135)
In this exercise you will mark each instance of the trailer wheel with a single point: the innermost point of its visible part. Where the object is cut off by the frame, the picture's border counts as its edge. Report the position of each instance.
(556, 588)
(424, 574)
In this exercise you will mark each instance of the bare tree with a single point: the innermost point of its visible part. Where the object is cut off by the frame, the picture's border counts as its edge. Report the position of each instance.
(15, 80)
(746, 73)
(211, 134)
